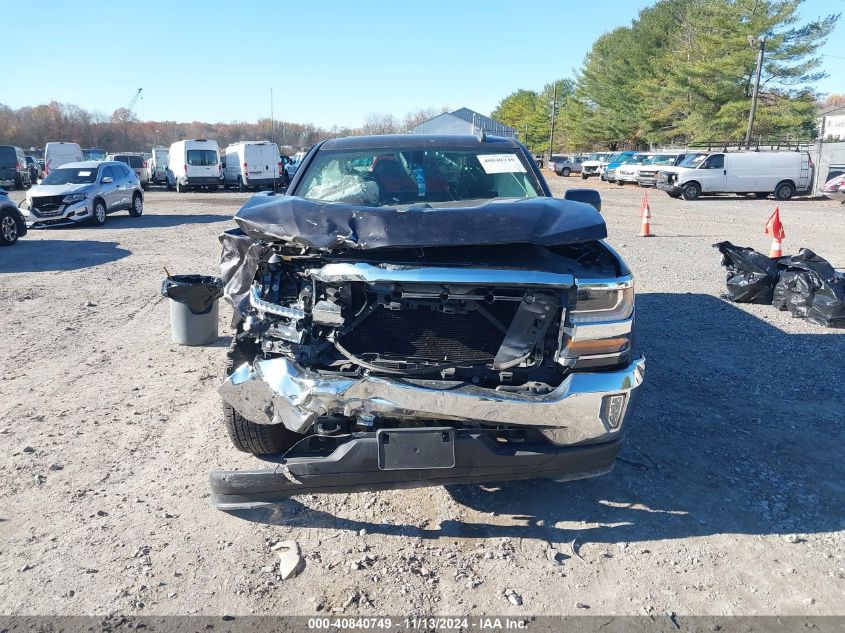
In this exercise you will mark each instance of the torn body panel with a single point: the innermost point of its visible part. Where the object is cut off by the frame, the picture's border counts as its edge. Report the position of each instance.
(278, 391)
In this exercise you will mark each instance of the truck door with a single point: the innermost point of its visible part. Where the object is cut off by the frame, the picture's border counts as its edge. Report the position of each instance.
(713, 174)
(267, 162)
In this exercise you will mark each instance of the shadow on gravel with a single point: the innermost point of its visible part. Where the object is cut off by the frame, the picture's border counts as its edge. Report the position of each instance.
(34, 256)
(162, 221)
(740, 429)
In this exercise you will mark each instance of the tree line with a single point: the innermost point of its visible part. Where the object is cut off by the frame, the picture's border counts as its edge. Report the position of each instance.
(683, 72)
(28, 127)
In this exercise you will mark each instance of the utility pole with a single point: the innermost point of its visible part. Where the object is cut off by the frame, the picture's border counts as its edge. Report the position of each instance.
(272, 120)
(761, 43)
(552, 132)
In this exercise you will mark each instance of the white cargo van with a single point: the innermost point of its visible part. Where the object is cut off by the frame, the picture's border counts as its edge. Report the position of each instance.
(194, 163)
(744, 172)
(60, 153)
(252, 165)
(158, 165)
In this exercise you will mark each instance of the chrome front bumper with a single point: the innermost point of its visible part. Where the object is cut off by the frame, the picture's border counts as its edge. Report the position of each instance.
(69, 214)
(580, 410)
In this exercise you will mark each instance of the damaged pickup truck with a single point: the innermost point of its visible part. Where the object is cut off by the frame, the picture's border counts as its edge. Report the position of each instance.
(419, 310)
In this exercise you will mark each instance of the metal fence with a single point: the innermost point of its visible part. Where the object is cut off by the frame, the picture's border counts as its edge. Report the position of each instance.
(830, 162)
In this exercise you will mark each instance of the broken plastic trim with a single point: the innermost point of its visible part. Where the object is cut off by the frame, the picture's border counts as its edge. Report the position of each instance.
(260, 304)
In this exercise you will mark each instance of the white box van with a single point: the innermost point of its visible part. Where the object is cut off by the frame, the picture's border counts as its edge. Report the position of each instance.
(194, 163)
(158, 165)
(745, 172)
(251, 165)
(59, 153)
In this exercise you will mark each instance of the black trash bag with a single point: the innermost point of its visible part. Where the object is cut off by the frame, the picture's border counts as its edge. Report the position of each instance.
(809, 287)
(751, 275)
(788, 290)
(198, 292)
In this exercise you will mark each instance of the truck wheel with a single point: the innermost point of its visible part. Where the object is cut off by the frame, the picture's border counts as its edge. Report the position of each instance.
(565, 172)
(8, 228)
(673, 195)
(137, 207)
(241, 187)
(784, 191)
(584, 176)
(258, 439)
(98, 215)
(691, 191)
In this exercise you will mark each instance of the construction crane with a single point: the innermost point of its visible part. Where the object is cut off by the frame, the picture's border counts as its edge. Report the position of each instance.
(134, 102)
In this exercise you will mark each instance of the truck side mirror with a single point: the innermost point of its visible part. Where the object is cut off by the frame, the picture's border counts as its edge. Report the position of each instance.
(588, 196)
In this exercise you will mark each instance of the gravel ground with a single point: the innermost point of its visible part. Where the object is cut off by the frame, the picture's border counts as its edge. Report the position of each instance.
(728, 497)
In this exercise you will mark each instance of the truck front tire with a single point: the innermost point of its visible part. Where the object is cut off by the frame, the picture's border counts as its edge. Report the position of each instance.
(691, 191)
(258, 439)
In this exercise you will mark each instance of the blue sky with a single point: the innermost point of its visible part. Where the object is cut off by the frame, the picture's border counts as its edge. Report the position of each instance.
(328, 62)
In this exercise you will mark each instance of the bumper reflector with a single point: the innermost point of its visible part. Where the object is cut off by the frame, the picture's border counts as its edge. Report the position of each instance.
(614, 407)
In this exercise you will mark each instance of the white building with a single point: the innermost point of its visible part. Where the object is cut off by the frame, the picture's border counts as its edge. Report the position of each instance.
(832, 123)
(464, 121)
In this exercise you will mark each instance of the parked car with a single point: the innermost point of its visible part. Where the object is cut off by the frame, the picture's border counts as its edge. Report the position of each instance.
(136, 163)
(566, 165)
(283, 174)
(195, 164)
(158, 165)
(628, 171)
(83, 192)
(613, 163)
(745, 172)
(58, 153)
(470, 328)
(835, 188)
(13, 169)
(36, 171)
(252, 165)
(291, 167)
(647, 173)
(12, 223)
(592, 164)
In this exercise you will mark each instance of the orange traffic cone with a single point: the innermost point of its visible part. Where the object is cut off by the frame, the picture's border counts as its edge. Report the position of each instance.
(775, 229)
(645, 212)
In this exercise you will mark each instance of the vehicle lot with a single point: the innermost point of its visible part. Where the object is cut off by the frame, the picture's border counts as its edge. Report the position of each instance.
(728, 497)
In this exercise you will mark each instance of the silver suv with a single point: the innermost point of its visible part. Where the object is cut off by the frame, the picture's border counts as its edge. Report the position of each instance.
(83, 192)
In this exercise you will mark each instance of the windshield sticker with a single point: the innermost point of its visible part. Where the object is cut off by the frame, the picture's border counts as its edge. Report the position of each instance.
(500, 163)
(82, 174)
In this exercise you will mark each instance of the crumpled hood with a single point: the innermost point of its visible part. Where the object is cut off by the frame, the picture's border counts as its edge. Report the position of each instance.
(327, 225)
(57, 190)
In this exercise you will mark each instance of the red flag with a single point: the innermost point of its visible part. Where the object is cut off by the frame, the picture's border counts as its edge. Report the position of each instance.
(774, 227)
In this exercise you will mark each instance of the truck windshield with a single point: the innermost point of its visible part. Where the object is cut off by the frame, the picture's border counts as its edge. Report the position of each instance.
(202, 157)
(94, 154)
(71, 176)
(693, 160)
(661, 159)
(411, 176)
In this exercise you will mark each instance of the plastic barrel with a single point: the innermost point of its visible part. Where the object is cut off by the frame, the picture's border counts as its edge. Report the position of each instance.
(187, 328)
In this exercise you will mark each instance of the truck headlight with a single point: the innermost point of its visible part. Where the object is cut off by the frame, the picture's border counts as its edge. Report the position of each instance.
(611, 301)
(73, 198)
(601, 323)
